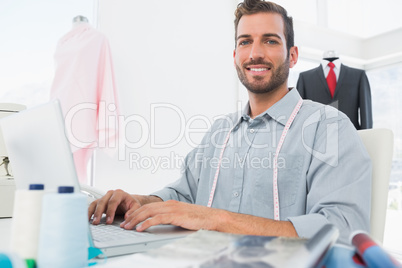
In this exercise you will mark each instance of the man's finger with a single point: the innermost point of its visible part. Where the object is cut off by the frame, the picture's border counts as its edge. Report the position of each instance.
(131, 220)
(158, 219)
(115, 200)
(91, 209)
(149, 211)
(101, 206)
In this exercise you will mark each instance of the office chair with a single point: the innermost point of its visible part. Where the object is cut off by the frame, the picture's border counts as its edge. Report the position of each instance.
(379, 144)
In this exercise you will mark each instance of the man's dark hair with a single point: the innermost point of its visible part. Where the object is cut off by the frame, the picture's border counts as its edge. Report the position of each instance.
(249, 7)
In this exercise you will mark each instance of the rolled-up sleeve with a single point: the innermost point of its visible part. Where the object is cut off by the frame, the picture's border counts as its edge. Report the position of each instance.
(338, 182)
(185, 188)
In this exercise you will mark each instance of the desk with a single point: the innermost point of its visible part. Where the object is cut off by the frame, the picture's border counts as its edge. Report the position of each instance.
(5, 231)
(191, 251)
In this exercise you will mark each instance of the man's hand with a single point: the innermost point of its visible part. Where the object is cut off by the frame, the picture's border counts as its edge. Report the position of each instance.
(189, 216)
(196, 217)
(150, 211)
(117, 202)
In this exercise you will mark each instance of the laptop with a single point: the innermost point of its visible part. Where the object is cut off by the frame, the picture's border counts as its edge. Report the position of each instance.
(40, 152)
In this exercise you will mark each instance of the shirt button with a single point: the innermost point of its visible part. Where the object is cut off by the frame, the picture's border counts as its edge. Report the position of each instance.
(252, 131)
(235, 194)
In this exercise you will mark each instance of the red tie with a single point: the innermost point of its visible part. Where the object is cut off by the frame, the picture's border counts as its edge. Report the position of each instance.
(331, 79)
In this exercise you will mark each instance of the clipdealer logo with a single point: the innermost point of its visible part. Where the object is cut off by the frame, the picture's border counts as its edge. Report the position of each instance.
(329, 154)
(107, 119)
(110, 130)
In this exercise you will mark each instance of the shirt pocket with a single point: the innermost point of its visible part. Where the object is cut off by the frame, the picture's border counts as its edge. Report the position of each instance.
(289, 176)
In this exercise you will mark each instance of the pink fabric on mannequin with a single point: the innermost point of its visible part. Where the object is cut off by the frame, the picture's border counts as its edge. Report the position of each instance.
(84, 82)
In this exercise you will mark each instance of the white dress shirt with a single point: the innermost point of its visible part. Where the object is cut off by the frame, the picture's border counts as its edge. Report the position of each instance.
(337, 68)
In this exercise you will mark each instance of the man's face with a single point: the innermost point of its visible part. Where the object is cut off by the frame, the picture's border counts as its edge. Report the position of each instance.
(261, 57)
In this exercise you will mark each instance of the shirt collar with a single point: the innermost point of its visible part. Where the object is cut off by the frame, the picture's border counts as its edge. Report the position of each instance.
(279, 112)
(337, 62)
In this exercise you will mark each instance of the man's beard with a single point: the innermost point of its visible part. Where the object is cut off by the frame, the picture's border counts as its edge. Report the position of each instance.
(278, 77)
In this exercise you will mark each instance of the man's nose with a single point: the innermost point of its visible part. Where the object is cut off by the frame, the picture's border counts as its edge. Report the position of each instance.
(257, 51)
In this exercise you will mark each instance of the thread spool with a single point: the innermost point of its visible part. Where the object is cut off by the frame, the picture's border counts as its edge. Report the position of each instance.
(63, 239)
(26, 221)
(11, 260)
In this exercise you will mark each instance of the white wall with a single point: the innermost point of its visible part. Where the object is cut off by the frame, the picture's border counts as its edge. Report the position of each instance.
(182, 57)
(179, 53)
(364, 53)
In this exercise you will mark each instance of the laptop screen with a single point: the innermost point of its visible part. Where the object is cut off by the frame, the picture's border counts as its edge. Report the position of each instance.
(38, 148)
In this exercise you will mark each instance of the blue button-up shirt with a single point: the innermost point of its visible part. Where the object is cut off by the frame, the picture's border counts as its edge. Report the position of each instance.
(324, 171)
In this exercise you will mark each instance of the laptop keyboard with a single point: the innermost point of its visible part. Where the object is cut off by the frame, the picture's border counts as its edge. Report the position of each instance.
(106, 232)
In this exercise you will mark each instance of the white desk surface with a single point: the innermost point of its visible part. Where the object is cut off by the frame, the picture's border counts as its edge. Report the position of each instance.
(5, 231)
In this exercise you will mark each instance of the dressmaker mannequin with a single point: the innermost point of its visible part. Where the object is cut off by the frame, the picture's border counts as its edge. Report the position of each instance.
(330, 55)
(352, 93)
(84, 75)
(78, 20)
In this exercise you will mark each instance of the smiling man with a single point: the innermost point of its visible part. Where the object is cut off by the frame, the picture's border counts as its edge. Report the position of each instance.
(284, 167)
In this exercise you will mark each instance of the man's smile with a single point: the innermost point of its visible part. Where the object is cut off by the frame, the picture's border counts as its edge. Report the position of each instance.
(258, 70)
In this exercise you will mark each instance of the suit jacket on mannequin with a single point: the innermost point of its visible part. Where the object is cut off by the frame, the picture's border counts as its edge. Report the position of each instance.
(352, 93)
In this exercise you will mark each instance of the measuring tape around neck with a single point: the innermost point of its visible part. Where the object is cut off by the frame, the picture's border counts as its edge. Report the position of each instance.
(275, 165)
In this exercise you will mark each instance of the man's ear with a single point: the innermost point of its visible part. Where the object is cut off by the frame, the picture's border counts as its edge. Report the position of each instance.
(293, 56)
(234, 56)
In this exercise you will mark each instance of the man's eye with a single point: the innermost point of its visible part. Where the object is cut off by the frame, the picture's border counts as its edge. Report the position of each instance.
(272, 42)
(243, 43)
